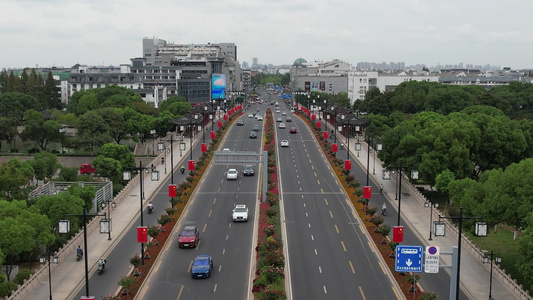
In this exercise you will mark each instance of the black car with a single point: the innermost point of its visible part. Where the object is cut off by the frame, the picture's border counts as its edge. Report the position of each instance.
(253, 135)
(240, 123)
(248, 170)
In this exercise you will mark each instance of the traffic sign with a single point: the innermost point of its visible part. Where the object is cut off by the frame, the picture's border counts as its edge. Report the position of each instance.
(408, 259)
(431, 263)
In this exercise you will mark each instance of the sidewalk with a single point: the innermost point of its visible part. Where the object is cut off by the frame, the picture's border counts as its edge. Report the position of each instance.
(475, 275)
(69, 275)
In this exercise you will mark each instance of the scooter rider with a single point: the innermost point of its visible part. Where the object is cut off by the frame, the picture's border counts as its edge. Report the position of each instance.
(182, 169)
(384, 209)
(101, 265)
(79, 253)
(381, 188)
(150, 207)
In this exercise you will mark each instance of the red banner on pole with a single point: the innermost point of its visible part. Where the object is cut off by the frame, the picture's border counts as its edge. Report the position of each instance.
(319, 124)
(213, 134)
(334, 147)
(347, 164)
(367, 192)
(219, 124)
(142, 234)
(191, 165)
(172, 188)
(313, 117)
(326, 135)
(225, 117)
(397, 234)
(204, 147)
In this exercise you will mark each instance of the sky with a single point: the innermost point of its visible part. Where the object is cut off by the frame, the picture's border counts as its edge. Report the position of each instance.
(60, 33)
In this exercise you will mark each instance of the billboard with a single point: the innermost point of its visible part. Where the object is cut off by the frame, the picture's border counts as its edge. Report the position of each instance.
(218, 86)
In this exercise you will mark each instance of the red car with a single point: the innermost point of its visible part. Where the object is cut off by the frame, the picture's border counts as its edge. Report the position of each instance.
(189, 237)
(293, 130)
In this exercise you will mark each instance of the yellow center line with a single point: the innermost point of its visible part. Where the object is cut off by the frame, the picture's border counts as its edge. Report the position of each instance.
(337, 228)
(382, 269)
(158, 265)
(189, 268)
(351, 267)
(312, 167)
(318, 181)
(210, 211)
(322, 191)
(214, 200)
(205, 226)
(326, 200)
(218, 191)
(315, 174)
(396, 293)
(198, 244)
(179, 294)
(331, 214)
(343, 247)
(370, 246)
(362, 293)
(361, 228)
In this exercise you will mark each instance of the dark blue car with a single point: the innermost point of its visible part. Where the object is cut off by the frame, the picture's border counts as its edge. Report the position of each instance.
(202, 266)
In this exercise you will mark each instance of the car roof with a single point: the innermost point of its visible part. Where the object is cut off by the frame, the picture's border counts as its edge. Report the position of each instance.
(189, 227)
(240, 206)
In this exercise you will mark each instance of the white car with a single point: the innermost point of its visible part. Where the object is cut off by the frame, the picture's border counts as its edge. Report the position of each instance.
(282, 125)
(240, 213)
(250, 115)
(232, 174)
(284, 143)
(259, 118)
(283, 113)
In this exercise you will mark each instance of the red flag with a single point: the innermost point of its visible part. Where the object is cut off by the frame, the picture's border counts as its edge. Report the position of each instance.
(142, 234)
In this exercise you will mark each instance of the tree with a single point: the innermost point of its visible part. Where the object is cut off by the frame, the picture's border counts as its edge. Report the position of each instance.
(41, 132)
(45, 164)
(50, 97)
(93, 131)
(108, 167)
(116, 124)
(14, 174)
(525, 247)
(15, 104)
(120, 153)
(442, 183)
(86, 193)
(56, 206)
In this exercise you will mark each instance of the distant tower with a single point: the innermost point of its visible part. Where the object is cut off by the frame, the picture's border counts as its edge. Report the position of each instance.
(254, 61)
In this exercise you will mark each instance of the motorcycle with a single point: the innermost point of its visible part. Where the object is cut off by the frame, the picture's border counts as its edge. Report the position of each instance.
(150, 209)
(79, 255)
(101, 266)
(342, 146)
(182, 170)
(384, 211)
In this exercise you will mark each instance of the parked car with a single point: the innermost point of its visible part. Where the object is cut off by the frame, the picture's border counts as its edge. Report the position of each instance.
(248, 170)
(232, 174)
(188, 237)
(202, 266)
(240, 213)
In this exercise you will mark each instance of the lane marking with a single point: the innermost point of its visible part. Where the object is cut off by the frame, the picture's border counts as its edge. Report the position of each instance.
(318, 181)
(307, 215)
(382, 269)
(370, 246)
(198, 244)
(215, 289)
(210, 212)
(337, 228)
(343, 246)
(312, 237)
(179, 294)
(309, 225)
(316, 252)
(189, 268)
(214, 201)
(331, 214)
(205, 226)
(326, 200)
(363, 293)
(396, 293)
(351, 267)
(320, 269)
(325, 291)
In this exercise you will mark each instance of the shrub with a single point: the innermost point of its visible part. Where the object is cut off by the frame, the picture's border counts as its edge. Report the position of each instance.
(22, 275)
(271, 274)
(371, 211)
(7, 287)
(384, 229)
(272, 211)
(269, 230)
(164, 220)
(428, 296)
(135, 261)
(376, 220)
(153, 231)
(126, 282)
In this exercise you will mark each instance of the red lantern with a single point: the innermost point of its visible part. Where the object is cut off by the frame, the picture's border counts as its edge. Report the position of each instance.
(191, 165)
(172, 188)
(367, 192)
(347, 164)
(142, 234)
(397, 234)
(204, 147)
(334, 147)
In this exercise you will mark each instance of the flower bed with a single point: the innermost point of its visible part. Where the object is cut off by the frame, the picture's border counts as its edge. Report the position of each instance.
(269, 282)
(367, 215)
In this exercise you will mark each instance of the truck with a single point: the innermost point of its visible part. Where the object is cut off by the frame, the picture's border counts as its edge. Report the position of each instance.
(87, 169)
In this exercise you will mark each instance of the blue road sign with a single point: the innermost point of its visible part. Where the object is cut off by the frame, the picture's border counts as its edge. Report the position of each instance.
(408, 259)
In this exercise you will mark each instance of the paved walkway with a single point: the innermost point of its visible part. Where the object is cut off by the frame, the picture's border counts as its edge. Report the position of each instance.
(474, 274)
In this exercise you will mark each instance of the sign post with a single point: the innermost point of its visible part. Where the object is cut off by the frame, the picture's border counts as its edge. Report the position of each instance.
(431, 263)
(408, 259)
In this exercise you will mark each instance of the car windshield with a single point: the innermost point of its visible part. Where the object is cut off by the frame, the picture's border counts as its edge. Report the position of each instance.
(240, 209)
(189, 232)
(202, 262)
(232, 171)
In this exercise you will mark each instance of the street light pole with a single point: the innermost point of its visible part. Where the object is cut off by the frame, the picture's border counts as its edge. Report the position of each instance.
(368, 141)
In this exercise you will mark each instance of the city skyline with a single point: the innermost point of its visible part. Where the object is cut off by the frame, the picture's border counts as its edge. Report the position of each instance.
(63, 33)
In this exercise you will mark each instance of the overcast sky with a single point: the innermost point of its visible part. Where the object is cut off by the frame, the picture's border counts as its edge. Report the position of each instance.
(110, 32)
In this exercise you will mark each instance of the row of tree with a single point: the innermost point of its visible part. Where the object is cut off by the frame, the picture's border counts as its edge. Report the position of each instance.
(43, 91)
(411, 97)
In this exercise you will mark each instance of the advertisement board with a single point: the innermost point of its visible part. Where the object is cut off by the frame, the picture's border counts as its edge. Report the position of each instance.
(218, 86)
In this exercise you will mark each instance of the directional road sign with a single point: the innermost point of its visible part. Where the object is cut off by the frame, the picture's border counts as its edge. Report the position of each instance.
(431, 263)
(408, 259)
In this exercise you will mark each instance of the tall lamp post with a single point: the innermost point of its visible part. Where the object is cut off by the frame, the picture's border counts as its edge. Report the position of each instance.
(386, 176)
(105, 227)
(161, 147)
(493, 257)
(430, 205)
(378, 148)
(49, 258)
(126, 175)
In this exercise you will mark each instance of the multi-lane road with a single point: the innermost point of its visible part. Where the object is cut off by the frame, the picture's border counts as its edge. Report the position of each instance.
(328, 254)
